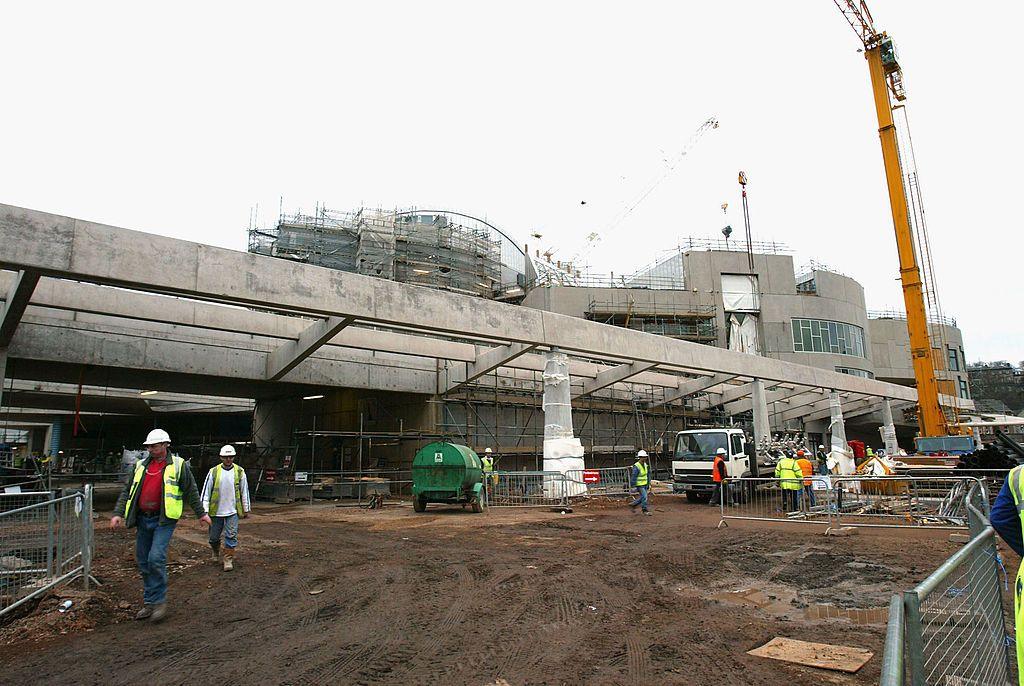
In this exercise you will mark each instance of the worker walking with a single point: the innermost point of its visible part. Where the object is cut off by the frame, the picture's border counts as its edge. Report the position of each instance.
(153, 501)
(640, 480)
(807, 469)
(226, 498)
(791, 481)
(719, 474)
(1005, 517)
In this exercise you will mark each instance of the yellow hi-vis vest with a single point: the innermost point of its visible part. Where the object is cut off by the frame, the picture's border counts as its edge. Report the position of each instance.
(172, 492)
(788, 468)
(215, 491)
(488, 463)
(641, 477)
(1014, 480)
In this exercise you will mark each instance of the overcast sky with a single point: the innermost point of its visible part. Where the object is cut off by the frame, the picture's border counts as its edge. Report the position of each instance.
(179, 122)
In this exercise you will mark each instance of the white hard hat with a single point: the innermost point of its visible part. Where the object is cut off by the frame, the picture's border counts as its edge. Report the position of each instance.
(157, 436)
(227, 451)
(720, 451)
(487, 451)
(641, 453)
(822, 447)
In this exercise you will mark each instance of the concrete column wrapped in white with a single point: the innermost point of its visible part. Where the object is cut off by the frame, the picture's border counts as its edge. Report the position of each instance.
(840, 454)
(562, 451)
(762, 427)
(888, 430)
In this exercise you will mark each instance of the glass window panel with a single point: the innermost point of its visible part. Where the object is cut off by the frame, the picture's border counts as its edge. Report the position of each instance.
(808, 345)
(815, 328)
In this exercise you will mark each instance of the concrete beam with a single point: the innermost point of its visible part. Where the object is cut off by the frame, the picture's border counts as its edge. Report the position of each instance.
(486, 362)
(692, 386)
(612, 376)
(15, 304)
(86, 251)
(810, 409)
(850, 409)
(288, 356)
(747, 404)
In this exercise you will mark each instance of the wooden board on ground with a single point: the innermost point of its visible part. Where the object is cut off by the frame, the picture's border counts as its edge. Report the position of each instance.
(839, 658)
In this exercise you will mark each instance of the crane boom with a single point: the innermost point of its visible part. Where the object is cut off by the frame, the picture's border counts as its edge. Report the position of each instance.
(886, 80)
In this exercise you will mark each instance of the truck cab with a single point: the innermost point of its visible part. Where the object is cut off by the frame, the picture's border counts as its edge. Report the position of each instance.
(694, 456)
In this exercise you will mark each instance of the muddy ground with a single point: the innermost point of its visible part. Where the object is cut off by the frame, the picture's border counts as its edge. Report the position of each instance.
(600, 596)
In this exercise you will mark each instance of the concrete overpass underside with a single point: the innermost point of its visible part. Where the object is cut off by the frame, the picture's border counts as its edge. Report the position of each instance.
(217, 330)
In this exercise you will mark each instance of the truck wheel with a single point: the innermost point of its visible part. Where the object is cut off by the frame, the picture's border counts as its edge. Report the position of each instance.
(695, 497)
(418, 505)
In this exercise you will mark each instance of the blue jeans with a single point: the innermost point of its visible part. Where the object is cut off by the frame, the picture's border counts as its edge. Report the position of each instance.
(151, 541)
(642, 498)
(809, 493)
(229, 525)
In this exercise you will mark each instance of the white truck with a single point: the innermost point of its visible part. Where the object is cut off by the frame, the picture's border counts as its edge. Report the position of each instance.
(694, 456)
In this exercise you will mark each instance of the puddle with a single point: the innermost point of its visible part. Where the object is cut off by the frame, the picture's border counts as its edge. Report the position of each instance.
(782, 602)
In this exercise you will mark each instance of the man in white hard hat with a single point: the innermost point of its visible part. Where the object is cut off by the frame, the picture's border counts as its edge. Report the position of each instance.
(226, 498)
(490, 481)
(153, 502)
(640, 480)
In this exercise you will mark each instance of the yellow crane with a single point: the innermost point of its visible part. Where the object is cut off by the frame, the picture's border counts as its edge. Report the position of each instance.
(887, 83)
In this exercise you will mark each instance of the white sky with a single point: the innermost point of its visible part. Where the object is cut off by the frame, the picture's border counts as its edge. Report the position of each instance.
(180, 121)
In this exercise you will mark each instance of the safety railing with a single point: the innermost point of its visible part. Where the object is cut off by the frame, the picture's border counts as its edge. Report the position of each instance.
(951, 628)
(789, 500)
(527, 489)
(868, 501)
(330, 485)
(608, 482)
(45, 540)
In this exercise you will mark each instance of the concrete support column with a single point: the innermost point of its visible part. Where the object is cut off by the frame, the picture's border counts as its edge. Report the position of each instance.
(3, 373)
(562, 451)
(888, 430)
(762, 427)
(840, 454)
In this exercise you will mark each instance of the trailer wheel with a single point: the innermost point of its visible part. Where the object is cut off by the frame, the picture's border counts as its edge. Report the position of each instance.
(478, 504)
(417, 504)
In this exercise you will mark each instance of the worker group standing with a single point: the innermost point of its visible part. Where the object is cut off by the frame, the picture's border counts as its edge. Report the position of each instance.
(226, 498)
(641, 481)
(153, 501)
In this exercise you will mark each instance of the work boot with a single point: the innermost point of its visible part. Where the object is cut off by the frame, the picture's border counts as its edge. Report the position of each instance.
(216, 551)
(647, 513)
(145, 613)
(229, 556)
(158, 613)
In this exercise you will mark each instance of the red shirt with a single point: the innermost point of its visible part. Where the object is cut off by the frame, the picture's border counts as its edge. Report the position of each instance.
(151, 490)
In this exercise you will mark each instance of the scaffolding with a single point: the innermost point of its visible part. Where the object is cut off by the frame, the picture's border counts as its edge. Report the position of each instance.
(424, 249)
(695, 323)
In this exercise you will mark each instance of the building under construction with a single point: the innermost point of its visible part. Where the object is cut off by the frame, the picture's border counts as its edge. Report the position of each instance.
(437, 249)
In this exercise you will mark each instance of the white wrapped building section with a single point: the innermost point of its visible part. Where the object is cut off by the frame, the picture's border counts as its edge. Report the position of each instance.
(888, 430)
(840, 454)
(562, 451)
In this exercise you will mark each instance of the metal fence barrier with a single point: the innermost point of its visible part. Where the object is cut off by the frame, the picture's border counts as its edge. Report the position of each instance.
(596, 483)
(330, 485)
(870, 501)
(951, 628)
(44, 540)
(527, 489)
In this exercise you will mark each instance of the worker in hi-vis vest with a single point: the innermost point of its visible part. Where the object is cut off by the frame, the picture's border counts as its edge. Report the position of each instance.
(719, 474)
(1005, 517)
(792, 480)
(490, 478)
(153, 501)
(226, 498)
(640, 480)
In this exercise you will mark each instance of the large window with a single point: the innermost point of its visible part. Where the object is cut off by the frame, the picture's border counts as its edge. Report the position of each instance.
(853, 371)
(954, 361)
(964, 392)
(823, 336)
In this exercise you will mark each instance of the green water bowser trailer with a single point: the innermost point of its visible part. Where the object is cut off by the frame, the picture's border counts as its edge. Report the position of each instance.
(447, 473)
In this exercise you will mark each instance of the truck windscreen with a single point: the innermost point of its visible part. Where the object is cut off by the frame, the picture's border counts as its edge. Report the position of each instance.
(700, 445)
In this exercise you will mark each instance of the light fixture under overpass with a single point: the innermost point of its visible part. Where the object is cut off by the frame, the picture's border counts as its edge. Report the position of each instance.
(312, 397)
(148, 392)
